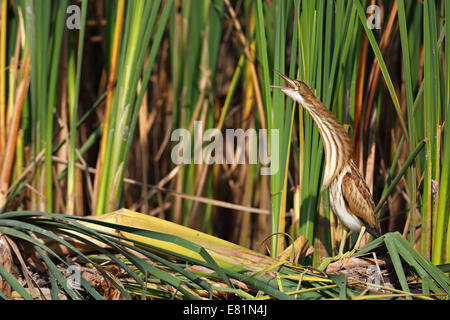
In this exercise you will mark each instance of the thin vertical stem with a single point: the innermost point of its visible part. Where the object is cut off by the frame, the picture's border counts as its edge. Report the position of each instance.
(73, 126)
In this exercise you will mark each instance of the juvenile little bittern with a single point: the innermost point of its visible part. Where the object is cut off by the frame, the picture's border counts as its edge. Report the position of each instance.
(350, 198)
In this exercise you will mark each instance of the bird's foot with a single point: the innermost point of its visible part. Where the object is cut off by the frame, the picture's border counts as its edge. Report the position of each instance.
(340, 256)
(348, 254)
(326, 262)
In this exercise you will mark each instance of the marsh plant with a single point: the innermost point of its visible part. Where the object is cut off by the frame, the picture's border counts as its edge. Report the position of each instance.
(164, 107)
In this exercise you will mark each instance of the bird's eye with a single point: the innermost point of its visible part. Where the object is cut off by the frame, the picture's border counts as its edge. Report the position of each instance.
(297, 83)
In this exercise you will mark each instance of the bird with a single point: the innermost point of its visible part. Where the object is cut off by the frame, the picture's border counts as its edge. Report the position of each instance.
(350, 198)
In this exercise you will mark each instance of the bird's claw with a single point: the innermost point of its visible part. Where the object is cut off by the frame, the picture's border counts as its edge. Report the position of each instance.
(340, 256)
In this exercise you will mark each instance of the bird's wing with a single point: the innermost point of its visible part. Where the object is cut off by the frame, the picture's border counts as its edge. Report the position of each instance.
(359, 200)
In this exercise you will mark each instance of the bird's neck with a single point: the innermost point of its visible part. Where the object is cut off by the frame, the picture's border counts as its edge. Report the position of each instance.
(336, 141)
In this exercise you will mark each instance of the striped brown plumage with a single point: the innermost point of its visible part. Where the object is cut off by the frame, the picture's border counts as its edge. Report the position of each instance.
(350, 198)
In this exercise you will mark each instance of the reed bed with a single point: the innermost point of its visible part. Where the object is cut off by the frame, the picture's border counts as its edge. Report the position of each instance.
(91, 93)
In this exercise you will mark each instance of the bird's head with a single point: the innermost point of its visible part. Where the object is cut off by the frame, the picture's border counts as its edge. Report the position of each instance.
(296, 90)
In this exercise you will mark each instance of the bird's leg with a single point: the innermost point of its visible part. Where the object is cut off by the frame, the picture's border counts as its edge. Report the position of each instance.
(356, 247)
(361, 233)
(341, 254)
(342, 244)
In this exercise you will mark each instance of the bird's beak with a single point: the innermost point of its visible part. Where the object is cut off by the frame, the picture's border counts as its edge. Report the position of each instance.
(290, 84)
